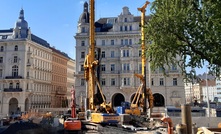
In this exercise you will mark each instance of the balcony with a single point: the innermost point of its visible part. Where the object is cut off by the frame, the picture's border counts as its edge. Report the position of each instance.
(13, 77)
(12, 89)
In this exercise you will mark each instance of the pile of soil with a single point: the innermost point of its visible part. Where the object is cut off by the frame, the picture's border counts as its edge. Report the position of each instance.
(25, 128)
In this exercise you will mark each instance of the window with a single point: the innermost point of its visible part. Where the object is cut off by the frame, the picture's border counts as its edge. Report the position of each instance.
(83, 30)
(125, 19)
(82, 54)
(160, 69)
(82, 43)
(126, 53)
(122, 42)
(103, 54)
(10, 85)
(140, 53)
(4, 36)
(112, 54)
(103, 43)
(16, 48)
(126, 67)
(161, 82)
(1, 59)
(112, 42)
(174, 81)
(125, 28)
(140, 68)
(112, 81)
(82, 68)
(103, 82)
(174, 67)
(2, 48)
(15, 59)
(121, 28)
(126, 81)
(152, 81)
(82, 82)
(103, 67)
(130, 28)
(15, 70)
(27, 74)
(1, 71)
(130, 41)
(126, 42)
(112, 67)
(17, 86)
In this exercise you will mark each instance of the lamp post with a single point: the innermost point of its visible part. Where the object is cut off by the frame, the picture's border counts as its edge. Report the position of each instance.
(207, 92)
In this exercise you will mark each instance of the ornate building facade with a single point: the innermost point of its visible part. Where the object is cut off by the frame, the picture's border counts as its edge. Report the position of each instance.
(119, 37)
(31, 71)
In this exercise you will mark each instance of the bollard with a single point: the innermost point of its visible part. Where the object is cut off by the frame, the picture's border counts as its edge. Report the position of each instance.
(181, 129)
(186, 117)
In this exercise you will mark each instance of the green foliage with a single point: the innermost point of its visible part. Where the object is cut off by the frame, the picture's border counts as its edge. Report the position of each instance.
(189, 29)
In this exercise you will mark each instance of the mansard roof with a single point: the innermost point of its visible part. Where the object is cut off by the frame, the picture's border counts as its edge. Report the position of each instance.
(102, 25)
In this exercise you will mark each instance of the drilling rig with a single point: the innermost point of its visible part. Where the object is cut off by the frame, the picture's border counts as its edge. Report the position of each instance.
(146, 92)
(102, 113)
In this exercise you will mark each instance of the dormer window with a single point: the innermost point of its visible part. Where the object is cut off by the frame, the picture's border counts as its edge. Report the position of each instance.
(16, 48)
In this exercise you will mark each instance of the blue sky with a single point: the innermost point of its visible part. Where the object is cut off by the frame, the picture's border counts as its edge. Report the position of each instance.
(56, 20)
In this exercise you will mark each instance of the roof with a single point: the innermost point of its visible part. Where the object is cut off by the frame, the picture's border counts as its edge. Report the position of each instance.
(103, 24)
(40, 41)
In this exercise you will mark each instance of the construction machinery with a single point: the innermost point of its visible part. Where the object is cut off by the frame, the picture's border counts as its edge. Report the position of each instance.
(102, 113)
(134, 108)
(73, 123)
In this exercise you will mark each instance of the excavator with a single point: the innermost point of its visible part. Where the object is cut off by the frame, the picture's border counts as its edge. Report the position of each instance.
(73, 123)
(100, 112)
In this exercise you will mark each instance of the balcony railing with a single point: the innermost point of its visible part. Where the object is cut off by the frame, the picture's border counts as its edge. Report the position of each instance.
(12, 89)
(13, 77)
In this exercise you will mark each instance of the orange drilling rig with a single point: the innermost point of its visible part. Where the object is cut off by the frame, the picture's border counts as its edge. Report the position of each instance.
(73, 123)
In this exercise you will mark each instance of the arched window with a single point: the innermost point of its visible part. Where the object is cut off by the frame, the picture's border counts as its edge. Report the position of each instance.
(16, 48)
(15, 70)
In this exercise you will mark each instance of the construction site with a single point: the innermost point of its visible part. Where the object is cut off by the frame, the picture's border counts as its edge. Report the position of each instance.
(99, 117)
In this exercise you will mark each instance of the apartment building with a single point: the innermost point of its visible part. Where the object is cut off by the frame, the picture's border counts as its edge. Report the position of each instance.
(119, 37)
(32, 74)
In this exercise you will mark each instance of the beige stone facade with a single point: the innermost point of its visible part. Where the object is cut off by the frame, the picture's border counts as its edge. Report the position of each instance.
(118, 37)
(32, 74)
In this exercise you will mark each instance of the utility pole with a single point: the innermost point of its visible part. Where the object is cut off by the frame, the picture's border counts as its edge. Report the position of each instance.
(142, 9)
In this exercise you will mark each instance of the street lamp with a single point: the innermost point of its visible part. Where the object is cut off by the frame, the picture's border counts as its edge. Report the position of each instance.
(207, 92)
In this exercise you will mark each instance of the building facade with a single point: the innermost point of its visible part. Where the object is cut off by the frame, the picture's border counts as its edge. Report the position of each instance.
(70, 78)
(119, 37)
(59, 79)
(29, 68)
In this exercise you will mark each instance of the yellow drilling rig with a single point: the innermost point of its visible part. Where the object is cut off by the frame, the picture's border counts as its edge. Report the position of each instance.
(102, 113)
